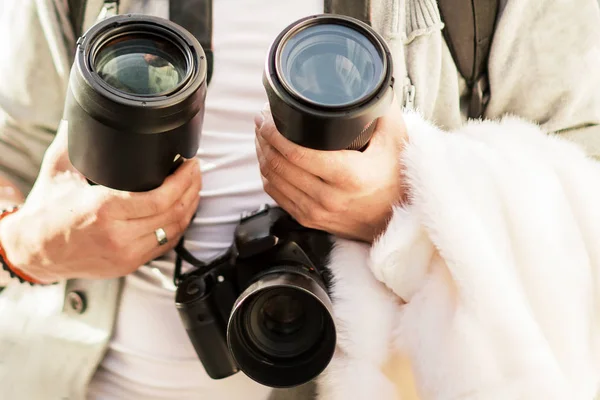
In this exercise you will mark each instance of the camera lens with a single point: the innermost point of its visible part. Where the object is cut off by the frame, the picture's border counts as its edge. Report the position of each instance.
(328, 78)
(141, 64)
(282, 314)
(284, 322)
(330, 65)
(281, 330)
(135, 101)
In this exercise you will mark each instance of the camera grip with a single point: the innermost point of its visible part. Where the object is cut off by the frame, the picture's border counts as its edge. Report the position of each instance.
(212, 350)
(199, 311)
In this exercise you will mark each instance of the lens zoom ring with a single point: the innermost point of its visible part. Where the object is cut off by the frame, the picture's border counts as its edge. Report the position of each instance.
(364, 137)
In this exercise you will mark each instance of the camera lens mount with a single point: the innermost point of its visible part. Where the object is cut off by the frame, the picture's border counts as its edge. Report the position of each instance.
(135, 103)
(281, 330)
(328, 78)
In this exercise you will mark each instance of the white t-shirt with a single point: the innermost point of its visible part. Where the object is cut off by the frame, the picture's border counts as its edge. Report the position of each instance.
(150, 355)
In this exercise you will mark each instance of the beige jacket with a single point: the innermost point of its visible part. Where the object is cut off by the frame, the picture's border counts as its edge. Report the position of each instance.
(544, 66)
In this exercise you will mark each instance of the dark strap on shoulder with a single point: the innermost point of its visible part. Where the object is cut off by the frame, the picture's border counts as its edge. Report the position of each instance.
(197, 17)
(359, 9)
(77, 15)
(469, 29)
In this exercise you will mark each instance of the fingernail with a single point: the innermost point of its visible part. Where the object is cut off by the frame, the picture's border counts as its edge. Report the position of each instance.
(259, 120)
(194, 166)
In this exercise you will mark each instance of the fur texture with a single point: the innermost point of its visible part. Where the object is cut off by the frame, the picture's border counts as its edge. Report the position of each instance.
(486, 285)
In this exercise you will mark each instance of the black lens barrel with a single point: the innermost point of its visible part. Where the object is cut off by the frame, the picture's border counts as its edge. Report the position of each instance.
(282, 362)
(127, 141)
(327, 127)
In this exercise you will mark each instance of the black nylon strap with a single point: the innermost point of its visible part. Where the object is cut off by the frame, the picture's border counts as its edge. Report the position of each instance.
(359, 9)
(469, 29)
(196, 17)
(77, 15)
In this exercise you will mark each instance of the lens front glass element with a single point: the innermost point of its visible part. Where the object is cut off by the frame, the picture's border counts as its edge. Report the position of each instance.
(330, 65)
(141, 64)
(284, 322)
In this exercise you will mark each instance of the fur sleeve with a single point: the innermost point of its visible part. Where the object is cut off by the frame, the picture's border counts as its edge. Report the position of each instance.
(497, 260)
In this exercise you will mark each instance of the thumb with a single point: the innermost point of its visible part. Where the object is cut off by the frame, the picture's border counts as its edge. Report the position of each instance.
(390, 129)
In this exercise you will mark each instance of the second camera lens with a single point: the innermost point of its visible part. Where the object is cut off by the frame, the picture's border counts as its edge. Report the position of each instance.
(330, 65)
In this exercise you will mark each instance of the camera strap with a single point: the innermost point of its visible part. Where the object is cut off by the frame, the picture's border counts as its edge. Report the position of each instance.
(197, 17)
(359, 9)
(468, 29)
(182, 254)
(77, 15)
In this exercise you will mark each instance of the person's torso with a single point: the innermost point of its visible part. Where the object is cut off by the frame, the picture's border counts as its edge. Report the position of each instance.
(524, 80)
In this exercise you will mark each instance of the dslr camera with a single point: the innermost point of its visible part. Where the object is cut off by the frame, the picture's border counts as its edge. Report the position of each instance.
(263, 307)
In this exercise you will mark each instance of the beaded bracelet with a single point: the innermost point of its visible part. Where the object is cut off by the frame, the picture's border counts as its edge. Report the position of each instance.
(6, 265)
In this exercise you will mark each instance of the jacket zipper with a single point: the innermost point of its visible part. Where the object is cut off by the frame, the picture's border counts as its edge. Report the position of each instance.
(409, 91)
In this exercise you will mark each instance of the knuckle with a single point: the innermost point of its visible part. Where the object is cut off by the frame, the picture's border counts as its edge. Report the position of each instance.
(310, 217)
(296, 155)
(301, 220)
(182, 225)
(273, 162)
(270, 187)
(334, 204)
(130, 259)
(264, 169)
(158, 204)
(114, 242)
(305, 221)
(276, 166)
(351, 180)
(163, 203)
(314, 214)
(267, 185)
(180, 210)
(104, 209)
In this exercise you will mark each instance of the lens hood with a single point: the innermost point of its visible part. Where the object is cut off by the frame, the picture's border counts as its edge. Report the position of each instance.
(314, 112)
(130, 140)
(283, 360)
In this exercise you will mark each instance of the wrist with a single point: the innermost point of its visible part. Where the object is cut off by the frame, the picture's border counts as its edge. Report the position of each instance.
(10, 195)
(11, 249)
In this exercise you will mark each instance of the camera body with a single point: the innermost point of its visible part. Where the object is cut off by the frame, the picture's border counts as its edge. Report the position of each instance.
(263, 306)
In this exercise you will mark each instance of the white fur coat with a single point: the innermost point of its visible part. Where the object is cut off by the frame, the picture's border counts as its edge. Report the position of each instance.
(486, 285)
